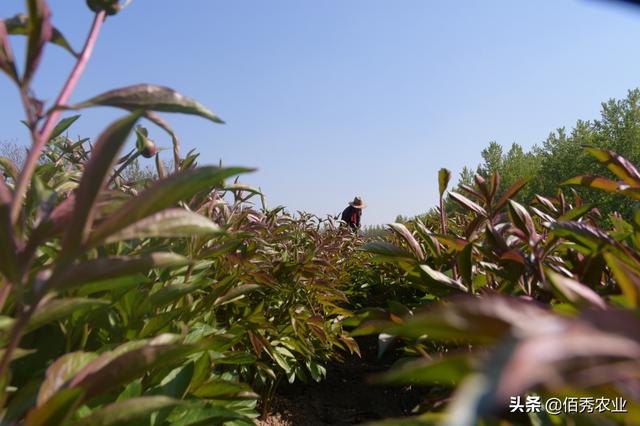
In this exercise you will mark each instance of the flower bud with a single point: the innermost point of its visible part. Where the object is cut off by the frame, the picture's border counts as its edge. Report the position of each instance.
(146, 147)
(149, 149)
(111, 7)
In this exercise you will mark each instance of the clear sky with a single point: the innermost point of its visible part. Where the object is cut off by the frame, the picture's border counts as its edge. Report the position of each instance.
(333, 98)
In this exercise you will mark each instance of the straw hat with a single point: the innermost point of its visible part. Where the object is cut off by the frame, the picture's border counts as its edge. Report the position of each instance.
(358, 203)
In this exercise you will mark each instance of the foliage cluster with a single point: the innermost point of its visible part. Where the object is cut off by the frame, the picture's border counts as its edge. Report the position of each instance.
(561, 157)
(171, 298)
(148, 298)
(516, 300)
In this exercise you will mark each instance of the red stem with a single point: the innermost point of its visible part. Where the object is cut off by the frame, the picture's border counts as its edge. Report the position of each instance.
(42, 137)
(39, 141)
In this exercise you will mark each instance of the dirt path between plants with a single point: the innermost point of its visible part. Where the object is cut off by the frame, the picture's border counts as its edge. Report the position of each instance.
(345, 397)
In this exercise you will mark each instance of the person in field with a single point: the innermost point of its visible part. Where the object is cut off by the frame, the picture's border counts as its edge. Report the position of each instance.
(352, 214)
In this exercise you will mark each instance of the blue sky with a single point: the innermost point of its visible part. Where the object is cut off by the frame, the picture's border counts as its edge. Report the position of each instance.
(333, 98)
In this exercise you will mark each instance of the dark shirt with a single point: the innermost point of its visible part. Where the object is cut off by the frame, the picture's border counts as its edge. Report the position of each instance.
(351, 216)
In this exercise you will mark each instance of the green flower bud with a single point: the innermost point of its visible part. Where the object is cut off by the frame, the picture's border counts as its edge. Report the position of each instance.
(110, 6)
(146, 147)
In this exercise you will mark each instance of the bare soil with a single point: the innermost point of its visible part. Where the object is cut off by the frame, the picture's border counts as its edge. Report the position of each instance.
(345, 397)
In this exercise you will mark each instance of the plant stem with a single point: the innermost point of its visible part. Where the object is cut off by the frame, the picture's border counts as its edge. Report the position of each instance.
(42, 137)
(131, 156)
(443, 219)
(39, 140)
(14, 338)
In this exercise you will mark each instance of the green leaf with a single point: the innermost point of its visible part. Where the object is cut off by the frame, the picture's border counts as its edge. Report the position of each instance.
(438, 277)
(22, 401)
(444, 175)
(8, 247)
(149, 97)
(583, 234)
(99, 377)
(220, 389)
(127, 411)
(163, 194)
(176, 383)
(237, 358)
(627, 278)
(169, 223)
(169, 293)
(574, 292)
(422, 372)
(595, 182)
(387, 250)
(10, 169)
(464, 259)
(132, 390)
(575, 213)
(19, 25)
(209, 416)
(114, 267)
(113, 285)
(103, 157)
(242, 187)
(56, 410)
(158, 322)
(235, 293)
(482, 320)
(620, 166)
(57, 309)
(63, 125)
(18, 353)
(52, 225)
(427, 419)
(61, 371)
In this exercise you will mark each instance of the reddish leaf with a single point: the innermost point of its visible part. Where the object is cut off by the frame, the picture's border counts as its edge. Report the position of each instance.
(161, 195)
(405, 234)
(19, 24)
(513, 255)
(547, 203)
(511, 192)
(6, 54)
(542, 215)
(619, 165)
(575, 292)
(438, 277)
(468, 204)
(40, 32)
(494, 184)
(103, 157)
(522, 220)
(583, 234)
(61, 371)
(471, 191)
(151, 98)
